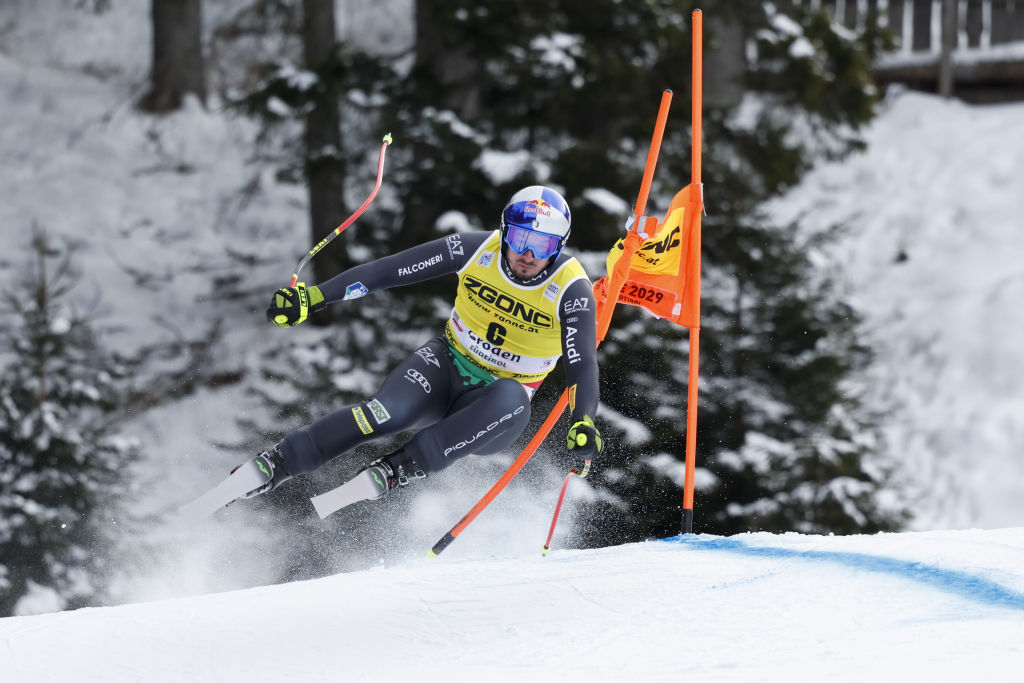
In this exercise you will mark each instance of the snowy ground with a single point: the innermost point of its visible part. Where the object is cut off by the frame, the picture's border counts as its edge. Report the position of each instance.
(926, 606)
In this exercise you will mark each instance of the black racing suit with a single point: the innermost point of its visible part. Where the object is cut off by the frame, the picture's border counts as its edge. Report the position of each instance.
(458, 408)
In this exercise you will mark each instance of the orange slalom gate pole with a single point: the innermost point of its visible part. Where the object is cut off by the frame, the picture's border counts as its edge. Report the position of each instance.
(652, 153)
(620, 271)
(615, 286)
(696, 187)
(697, 105)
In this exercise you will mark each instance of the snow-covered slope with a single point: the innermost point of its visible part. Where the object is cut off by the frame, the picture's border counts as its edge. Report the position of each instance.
(927, 606)
(934, 258)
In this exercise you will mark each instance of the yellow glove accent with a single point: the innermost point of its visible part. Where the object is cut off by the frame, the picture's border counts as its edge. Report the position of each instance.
(579, 435)
(291, 306)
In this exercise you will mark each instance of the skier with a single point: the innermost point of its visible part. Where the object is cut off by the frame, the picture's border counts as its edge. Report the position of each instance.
(521, 303)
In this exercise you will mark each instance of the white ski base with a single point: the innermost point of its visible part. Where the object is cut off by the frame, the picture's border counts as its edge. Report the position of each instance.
(360, 487)
(247, 477)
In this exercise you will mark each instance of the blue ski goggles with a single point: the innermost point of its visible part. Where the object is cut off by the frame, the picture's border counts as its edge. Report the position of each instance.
(520, 240)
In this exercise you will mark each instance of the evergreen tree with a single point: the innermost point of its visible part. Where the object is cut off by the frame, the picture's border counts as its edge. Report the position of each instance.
(62, 464)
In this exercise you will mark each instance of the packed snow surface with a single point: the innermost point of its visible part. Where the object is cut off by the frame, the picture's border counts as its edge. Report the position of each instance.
(926, 606)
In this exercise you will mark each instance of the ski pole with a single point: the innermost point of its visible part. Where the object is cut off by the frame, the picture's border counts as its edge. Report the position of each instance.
(616, 281)
(510, 473)
(558, 506)
(348, 221)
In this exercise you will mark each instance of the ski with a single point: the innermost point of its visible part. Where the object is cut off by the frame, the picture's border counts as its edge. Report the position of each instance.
(367, 485)
(247, 477)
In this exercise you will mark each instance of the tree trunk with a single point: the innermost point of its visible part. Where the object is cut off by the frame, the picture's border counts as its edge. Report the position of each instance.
(178, 66)
(452, 72)
(450, 80)
(325, 169)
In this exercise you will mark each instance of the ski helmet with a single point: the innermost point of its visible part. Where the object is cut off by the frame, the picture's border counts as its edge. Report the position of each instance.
(537, 219)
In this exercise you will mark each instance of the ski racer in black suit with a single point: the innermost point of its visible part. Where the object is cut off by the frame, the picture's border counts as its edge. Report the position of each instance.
(521, 304)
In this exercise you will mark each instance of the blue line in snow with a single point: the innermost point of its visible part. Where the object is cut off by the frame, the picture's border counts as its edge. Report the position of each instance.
(958, 582)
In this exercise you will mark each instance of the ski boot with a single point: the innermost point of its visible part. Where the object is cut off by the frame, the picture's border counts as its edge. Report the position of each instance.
(371, 483)
(387, 476)
(270, 464)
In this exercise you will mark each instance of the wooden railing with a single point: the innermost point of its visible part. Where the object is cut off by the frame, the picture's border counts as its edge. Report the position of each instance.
(950, 43)
(917, 24)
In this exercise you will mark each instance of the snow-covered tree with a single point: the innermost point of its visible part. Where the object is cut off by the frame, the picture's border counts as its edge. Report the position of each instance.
(62, 465)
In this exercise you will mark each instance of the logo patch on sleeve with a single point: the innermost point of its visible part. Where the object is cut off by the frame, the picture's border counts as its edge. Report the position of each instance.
(361, 421)
(454, 245)
(576, 305)
(380, 413)
(355, 291)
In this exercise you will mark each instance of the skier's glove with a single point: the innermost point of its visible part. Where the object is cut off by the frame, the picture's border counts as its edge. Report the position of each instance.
(584, 441)
(292, 305)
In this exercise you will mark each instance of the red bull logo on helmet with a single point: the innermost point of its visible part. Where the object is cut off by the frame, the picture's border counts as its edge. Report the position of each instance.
(537, 206)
